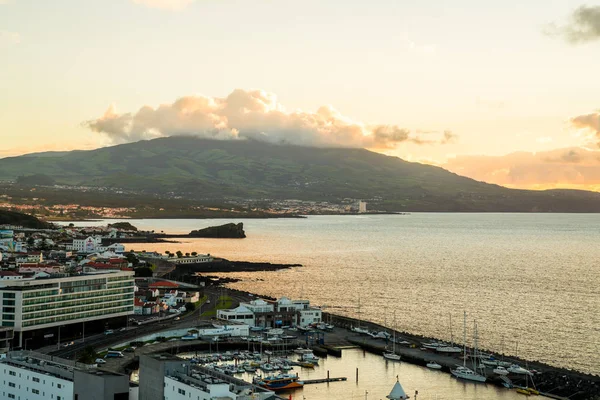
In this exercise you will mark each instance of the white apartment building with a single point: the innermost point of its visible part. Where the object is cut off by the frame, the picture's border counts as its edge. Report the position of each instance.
(200, 258)
(198, 386)
(30, 304)
(27, 375)
(28, 380)
(93, 244)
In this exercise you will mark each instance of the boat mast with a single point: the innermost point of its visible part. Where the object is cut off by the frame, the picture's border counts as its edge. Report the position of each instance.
(451, 336)
(394, 335)
(465, 340)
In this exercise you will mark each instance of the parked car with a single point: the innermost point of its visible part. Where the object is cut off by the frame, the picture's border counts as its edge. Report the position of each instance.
(177, 318)
(100, 361)
(130, 349)
(122, 329)
(108, 332)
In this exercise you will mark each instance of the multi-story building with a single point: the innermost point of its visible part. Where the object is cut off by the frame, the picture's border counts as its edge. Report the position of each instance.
(30, 375)
(270, 314)
(167, 377)
(36, 304)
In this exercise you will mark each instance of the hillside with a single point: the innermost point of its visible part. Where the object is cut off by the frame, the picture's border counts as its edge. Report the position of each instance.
(213, 170)
(19, 219)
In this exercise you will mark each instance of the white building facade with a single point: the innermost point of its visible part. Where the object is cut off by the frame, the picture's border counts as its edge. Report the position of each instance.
(30, 304)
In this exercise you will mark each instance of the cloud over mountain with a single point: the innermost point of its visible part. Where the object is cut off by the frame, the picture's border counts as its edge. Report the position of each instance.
(583, 26)
(258, 115)
(561, 168)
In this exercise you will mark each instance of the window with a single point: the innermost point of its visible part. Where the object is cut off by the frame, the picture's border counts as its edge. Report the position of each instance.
(181, 391)
(58, 385)
(11, 384)
(35, 379)
(13, 373)
(35, 391)
(11, 396)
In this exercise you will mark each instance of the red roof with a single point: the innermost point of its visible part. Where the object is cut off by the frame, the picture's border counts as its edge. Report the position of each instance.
(163, 284)
(138, 303)
(9, 273)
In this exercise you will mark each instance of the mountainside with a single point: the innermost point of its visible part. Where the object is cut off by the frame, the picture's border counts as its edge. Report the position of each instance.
(24, 220)
(213, 169)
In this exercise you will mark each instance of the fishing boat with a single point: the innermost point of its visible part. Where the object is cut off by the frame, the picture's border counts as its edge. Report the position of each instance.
(433, 365)
(523, 391)
(279, 382)
(463, 372)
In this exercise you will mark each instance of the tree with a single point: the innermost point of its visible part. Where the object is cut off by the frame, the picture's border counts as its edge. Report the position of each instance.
(30, 241)
(132, 259)
(189, 307)
(43, 244)
(187, 254)
(194, 253)
(143, 272)
(179, 254)
(88, 355)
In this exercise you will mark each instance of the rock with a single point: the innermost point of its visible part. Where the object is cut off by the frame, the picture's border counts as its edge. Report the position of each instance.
(126, 226)
(227, 231)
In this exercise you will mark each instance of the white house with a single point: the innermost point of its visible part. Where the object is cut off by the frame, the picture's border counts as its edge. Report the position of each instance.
(238, 314)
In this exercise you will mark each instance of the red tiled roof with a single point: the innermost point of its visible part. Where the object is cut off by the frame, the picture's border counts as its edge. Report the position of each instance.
(9, 273)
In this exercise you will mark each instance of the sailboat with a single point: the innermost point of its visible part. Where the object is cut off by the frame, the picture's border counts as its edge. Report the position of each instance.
(462, 371)
(392, 356)
(449, 349)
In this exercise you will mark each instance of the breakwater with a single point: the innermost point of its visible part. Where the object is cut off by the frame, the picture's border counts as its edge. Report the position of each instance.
(551, 381)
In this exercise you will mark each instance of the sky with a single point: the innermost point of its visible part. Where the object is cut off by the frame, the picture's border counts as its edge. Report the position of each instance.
(501, 91)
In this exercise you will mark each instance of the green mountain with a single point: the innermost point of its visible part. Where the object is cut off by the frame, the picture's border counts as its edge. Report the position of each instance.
(204, 169)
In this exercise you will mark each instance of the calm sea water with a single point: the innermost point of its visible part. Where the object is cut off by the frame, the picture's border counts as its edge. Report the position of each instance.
(376, 378)
(532, 281)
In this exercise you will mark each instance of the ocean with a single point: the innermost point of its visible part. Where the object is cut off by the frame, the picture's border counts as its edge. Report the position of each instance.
(531, 281)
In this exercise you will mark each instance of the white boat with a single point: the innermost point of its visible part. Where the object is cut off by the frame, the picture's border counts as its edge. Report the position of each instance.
(301, 350)
(500, 370)
(382, 335)
(517, 369)
(362, 331)
(468, 374)
(392, 356)
(310, 357)
(448, 349)
(463, 372)
(433, 365)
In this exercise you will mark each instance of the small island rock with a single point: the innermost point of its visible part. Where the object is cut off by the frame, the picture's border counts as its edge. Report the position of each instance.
(227, 231)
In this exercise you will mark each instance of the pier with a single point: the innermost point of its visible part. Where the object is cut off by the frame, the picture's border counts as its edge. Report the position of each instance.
(324, 380)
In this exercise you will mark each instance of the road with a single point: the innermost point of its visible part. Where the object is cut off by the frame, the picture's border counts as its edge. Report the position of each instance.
(190, 320)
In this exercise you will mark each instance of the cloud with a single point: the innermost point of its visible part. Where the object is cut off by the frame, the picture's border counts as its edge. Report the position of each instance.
(574, 167)
(589, 123)
(8, 39)
(583, 26)
(174, 5)
(255, 114)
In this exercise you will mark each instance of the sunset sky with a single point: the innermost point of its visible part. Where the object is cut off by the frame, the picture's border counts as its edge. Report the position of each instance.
(462, 84)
